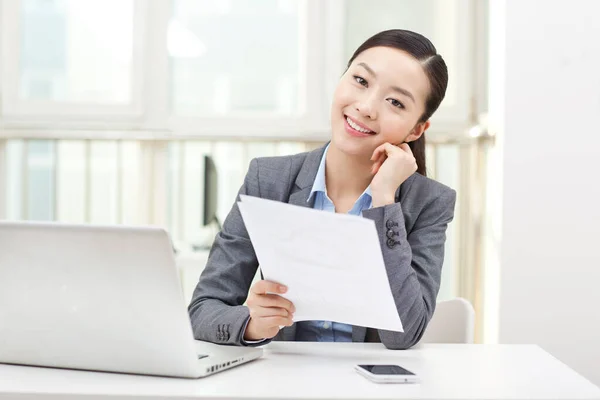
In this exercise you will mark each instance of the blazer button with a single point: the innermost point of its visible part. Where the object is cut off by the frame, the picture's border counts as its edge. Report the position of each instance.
(390, 233)
(391, 224)
(391, 243)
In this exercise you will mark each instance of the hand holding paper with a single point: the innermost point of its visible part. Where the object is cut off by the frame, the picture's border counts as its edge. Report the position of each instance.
(268, 311)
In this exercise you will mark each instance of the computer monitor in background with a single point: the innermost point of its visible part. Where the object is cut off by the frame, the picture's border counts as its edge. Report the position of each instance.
(209, 212)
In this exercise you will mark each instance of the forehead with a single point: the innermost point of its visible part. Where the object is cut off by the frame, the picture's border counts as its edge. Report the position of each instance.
(395, 67)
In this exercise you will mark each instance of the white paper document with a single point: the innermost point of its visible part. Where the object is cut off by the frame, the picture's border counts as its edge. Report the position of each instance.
(331, 263)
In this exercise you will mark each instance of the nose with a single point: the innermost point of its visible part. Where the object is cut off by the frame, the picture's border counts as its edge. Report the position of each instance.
(366, 107)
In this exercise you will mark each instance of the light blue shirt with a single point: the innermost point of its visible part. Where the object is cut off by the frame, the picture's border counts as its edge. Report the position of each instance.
(328, 331)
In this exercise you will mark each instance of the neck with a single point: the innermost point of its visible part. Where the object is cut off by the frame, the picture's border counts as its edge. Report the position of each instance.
(340, 167)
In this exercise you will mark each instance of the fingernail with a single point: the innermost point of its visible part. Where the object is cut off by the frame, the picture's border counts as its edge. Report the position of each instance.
(282, 289)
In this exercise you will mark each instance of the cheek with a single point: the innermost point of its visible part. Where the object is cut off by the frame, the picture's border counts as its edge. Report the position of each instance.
(394, 128)
(342, 95)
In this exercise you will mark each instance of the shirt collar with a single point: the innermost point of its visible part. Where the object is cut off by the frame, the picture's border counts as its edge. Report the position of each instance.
(319, 184)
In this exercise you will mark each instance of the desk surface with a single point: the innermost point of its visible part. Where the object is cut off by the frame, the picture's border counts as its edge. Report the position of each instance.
(325, 371)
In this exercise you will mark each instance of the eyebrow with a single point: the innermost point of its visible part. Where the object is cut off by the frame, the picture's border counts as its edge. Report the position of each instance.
(394, 88)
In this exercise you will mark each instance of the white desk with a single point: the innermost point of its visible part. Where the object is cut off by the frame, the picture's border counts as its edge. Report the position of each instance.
(325, 371)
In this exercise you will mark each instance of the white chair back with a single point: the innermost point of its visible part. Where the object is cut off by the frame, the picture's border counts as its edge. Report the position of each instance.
(453, 321)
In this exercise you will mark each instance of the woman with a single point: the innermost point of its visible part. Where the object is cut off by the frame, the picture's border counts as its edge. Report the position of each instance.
(374, 166)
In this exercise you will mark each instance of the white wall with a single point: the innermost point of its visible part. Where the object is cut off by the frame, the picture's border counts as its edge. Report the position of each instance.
(550, 250)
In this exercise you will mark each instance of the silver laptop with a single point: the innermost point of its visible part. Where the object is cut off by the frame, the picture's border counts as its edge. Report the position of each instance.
(99, 298)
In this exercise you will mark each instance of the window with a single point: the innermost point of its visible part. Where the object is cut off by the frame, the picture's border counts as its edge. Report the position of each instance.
(70, 59)
(67, 54)
(222, 57)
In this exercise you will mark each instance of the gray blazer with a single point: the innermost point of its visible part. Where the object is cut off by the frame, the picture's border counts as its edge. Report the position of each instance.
(413, 253)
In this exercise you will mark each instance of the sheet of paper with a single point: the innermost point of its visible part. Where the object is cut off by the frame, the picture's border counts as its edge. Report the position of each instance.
(331, 263)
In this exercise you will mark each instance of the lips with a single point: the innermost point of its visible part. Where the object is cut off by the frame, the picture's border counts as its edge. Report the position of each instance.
(356, 128)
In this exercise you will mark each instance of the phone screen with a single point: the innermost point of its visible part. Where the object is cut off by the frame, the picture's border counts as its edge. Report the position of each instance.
(386, 369)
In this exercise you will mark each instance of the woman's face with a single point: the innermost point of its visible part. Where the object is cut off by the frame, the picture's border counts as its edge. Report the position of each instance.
(379, 99)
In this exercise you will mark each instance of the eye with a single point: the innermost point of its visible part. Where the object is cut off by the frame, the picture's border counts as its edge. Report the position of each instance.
(396, 103)
(360, 80)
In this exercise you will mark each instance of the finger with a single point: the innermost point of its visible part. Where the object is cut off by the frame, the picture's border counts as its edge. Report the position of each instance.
(378, 162)
(270, 322)
(377, 152)
(273, 300)
(385, 148)
(390, 148)
(381, 156)
(262, 312)
(264, 287)
(405, 147)
(376, 166)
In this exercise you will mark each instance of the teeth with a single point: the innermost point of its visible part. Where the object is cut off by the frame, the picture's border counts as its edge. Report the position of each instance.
(358, 128)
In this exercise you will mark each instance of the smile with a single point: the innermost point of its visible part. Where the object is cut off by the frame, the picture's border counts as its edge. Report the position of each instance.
(356, 127)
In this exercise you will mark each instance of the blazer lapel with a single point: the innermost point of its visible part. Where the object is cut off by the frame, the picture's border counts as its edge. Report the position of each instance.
(306, 178)
(299, 197)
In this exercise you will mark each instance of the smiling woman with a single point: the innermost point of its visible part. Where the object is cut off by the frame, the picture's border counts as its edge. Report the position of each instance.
(374, 166)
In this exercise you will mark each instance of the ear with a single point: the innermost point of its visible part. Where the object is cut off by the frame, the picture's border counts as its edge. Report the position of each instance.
(417, 131)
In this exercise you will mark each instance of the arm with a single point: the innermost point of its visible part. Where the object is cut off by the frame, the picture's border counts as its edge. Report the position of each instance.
(216, 311)
(414, 264)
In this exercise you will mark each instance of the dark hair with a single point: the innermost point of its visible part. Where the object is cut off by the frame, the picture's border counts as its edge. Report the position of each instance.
(434, 66)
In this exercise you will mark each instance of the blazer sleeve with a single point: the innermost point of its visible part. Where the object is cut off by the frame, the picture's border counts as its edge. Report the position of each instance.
(413, 262)
(216, 310)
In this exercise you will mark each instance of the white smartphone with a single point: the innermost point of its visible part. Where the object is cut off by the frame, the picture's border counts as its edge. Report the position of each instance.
(386, 373)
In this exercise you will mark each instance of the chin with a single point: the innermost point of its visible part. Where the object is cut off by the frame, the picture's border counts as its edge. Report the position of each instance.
(349, 145)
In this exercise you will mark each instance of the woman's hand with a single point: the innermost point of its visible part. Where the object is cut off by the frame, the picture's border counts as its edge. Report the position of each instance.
(393, 165)
(268, 311)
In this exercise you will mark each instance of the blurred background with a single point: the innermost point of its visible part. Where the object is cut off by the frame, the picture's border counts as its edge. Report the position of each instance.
(149, 112)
